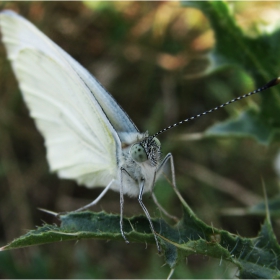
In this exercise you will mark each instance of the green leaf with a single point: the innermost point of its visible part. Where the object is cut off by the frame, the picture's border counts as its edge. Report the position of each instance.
(254, 55)
(255, 257)
(75, 226)
(247, 124)
(273, 207)
(262, 260)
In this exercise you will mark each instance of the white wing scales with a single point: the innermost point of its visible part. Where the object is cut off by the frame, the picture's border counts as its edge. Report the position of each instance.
(81, 142)
(90, 147)
(19, 33)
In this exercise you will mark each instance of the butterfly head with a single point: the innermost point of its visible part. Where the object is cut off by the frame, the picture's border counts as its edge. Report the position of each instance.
(147, 149)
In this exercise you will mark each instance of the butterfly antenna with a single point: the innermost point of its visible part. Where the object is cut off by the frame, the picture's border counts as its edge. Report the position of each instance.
(270, 84)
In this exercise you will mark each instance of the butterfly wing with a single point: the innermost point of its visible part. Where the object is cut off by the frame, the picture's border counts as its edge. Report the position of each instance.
(81, 142)
(27, 35)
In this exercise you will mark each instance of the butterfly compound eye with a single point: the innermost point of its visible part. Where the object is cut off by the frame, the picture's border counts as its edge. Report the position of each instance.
(138, 153)
(157, 142)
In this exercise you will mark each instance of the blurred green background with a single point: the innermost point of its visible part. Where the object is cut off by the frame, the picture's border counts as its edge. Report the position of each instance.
(149, 56)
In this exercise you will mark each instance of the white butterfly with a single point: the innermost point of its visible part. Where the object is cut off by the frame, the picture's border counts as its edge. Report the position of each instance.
(88, 136)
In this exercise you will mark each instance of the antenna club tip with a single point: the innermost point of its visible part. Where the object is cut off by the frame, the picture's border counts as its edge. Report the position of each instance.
(277, 80)
(273, 82)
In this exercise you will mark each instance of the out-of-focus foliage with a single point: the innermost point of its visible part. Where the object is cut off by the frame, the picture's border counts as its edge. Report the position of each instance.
(151, 57)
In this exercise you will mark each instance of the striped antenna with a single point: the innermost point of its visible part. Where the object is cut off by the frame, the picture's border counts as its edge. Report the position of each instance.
(270, 84)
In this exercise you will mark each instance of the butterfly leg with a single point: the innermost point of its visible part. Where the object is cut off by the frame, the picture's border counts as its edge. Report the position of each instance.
(167, 158)
(159, 170)
(162, 209)
(97, 199)
(121, 204)
(147, 213)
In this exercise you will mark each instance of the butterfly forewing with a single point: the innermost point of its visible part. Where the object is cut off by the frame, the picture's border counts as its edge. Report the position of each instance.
(81, 142)
(19, 33)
